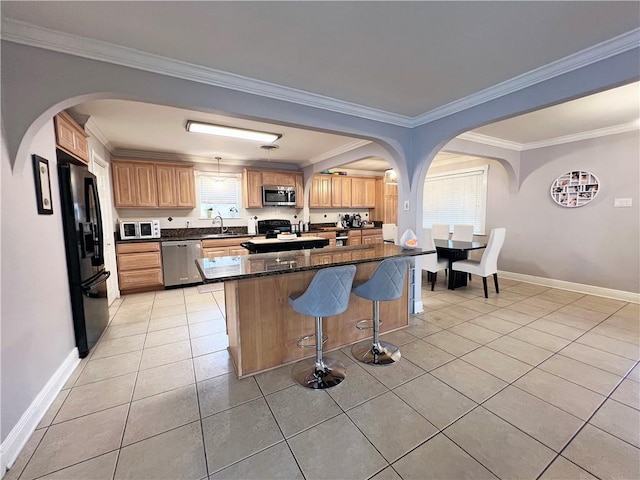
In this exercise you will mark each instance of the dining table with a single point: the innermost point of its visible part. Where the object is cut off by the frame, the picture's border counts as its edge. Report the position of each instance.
(454, 250)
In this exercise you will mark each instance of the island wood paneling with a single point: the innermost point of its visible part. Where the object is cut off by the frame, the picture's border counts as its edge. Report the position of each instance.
(263, 329)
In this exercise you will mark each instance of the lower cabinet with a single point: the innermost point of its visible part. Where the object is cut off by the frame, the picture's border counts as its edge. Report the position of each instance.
(139, 266)
(331, 236)
(226, 247)
(368, 236)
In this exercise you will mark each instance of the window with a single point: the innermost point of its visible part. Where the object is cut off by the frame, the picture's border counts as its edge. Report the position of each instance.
(456, 197)
(218, 194)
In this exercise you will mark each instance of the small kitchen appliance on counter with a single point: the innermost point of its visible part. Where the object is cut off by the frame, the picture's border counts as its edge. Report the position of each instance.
(139, 229)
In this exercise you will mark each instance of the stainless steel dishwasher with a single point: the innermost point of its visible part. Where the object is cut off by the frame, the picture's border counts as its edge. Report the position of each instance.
(179, 262)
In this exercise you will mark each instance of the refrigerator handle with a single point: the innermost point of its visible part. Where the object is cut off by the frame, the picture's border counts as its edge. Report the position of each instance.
(96, 224)
(96, 280)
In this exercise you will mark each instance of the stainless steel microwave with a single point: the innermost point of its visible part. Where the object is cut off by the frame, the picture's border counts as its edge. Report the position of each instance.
(278, 196)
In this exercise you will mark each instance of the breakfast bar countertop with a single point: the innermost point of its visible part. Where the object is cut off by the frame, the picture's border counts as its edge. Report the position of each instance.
(222, 269)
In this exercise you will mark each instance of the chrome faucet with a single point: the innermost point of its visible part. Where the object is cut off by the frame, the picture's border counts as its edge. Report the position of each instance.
(222, 227)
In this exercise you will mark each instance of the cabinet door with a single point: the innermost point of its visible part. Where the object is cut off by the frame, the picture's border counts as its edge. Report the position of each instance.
(346, 191)
(185, 187)
(252, 189)
(390, 209)
(325, 191)
(315, 192)
(64, 134)
(370, 192)
(138, 261)
(278, 178)
(357, 192)
(81, 147)
(299, 179)
(336, 192)
(166, 178)
(124, 184)
(235, 251)
(215, 252)
(146, 185)
(140, 278)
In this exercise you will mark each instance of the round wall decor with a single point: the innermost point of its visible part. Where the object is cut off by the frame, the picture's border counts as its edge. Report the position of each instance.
(575, 188)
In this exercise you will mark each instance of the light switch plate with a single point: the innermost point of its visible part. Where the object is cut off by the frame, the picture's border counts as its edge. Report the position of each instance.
(622, 202)
(406, 205)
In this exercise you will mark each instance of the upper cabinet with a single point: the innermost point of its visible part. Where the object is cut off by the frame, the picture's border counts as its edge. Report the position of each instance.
(332, 191)
(386, 209)
(70, 138)
(152, 185)
(253, 180)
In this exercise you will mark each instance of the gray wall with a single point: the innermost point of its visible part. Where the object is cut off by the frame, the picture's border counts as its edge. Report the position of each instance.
(37, 331)
(595, 244)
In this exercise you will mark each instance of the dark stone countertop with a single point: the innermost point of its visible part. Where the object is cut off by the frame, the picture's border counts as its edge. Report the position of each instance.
(222, 269)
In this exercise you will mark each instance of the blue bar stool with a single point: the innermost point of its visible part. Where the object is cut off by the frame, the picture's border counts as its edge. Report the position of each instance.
(326, 295)
(386, 283)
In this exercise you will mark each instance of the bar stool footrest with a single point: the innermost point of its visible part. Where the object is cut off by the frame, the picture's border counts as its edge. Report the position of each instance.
(366, 352)
(301, 342)
(305, 373)
(369, 321)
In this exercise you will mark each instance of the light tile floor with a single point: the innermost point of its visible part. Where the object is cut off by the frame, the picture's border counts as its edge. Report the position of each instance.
(531, 383)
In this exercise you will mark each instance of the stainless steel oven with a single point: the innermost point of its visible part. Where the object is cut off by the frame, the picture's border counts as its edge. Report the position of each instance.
(279, 196)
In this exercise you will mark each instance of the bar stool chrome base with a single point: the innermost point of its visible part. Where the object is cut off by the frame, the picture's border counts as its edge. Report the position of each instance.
(330, 374)
(382, 354)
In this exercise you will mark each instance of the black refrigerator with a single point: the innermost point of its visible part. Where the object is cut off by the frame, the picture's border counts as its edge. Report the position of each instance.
(84, 245)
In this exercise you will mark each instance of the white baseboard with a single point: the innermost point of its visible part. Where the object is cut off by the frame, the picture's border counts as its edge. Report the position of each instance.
(573, 287)
(21, 432)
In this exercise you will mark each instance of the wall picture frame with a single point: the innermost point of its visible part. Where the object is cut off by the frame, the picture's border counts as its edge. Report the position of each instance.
(575, 188)
(43, 185)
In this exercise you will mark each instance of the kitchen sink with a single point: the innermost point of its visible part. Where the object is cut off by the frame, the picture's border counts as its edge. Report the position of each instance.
(221, 235)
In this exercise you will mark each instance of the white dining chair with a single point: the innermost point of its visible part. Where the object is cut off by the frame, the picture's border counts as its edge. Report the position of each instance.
(488, 264)
(440, 231)
(390, 232)
(462, 233)
(431, 263)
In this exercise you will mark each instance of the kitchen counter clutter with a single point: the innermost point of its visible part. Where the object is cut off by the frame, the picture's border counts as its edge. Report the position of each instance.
(263, 330)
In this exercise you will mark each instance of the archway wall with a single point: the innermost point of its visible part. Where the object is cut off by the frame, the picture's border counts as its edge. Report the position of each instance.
(63, 80)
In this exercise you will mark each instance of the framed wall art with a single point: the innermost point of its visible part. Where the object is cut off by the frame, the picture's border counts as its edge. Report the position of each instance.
(575, 188)
(43, 185)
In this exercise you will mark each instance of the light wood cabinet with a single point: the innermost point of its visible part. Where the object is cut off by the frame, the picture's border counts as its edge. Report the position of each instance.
(71, 138)
(252, 188)
(253, 180)
(320, 193)
(372, 236)
(331, 236)
(354, 238)
(152, 185)
(340, 191)
(279, 179)
(386, 205)
(139, 266)
(335, 191)
(224, 247)
(299, 190)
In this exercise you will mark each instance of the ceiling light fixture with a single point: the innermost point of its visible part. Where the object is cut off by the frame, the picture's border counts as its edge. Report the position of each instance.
(390, 177)
(199, 127)
(268, 148)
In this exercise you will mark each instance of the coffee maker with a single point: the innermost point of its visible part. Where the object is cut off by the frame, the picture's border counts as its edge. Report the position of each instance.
(356, 222)
(346, 221)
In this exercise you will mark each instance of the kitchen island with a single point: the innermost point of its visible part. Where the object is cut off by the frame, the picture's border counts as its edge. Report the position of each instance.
(263, 330)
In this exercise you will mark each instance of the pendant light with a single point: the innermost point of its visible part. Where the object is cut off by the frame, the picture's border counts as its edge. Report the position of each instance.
(390, 177)
(268, 148)
(219, 179)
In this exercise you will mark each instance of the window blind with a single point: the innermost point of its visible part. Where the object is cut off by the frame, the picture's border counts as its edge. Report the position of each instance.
(219, 196)
(457, 197)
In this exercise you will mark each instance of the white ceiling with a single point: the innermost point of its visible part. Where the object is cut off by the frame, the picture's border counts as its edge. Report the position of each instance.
(404, 58)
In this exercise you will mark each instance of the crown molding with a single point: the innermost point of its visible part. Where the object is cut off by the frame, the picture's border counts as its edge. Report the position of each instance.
(576, 137)
(338, 151)
(492, 141)
(609, 48)
(94, 129)
(35, 36)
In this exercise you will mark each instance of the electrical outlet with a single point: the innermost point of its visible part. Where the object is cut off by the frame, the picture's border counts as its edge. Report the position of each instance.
(622, 202)
(406, 205)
